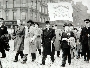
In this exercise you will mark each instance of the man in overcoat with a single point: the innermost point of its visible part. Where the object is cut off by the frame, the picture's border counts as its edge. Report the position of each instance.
(48, 37)
(85, 34)
(3, 33)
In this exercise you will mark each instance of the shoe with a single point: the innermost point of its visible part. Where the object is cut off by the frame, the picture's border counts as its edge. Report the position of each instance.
(42, 64)
(69, 63)
(63, 65)
(84, 59)
(23, 62)
(15, 60)
(2, 57)
(87, 61)
(33, 60)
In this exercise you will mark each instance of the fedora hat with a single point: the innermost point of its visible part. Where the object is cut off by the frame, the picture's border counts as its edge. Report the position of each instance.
(87, 20)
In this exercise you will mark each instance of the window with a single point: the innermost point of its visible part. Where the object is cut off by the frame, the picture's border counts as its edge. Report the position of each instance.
(14, 3)
(35, 16)
(31, 15)
(44, 19)
(31, 3)
(40, 8)
(6, 4)
(23, 16)
(36, 3)
(6, 15)
(0, 3)
(40, 19)
(23, 3)
(0, 14)
(14, 15)
(45, 10)
(39, 0)
(44, 2)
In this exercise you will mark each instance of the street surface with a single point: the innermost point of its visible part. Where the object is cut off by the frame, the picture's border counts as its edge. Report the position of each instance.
(8, 61)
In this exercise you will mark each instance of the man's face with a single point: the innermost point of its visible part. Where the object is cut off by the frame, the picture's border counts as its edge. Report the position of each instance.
(28, 24)
(47, 25)
(66, 28)
(70, 28)
(55, 27)
(1, 21)
(36, 26)
(19, 23)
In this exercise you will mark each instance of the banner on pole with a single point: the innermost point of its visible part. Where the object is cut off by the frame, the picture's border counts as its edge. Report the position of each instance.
(60, 11)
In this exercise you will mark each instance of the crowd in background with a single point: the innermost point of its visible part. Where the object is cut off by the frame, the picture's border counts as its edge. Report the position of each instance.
(29, 38)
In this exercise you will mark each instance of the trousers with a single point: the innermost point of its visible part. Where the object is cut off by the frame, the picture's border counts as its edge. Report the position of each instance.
(66, 52)
(21, 54)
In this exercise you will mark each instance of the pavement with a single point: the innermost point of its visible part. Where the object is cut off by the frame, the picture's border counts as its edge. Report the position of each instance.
(8, 61)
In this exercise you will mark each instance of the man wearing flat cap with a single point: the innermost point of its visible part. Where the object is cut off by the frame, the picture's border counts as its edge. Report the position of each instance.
(48, 37)
(84, 37)
(65, 46)
(3, 33)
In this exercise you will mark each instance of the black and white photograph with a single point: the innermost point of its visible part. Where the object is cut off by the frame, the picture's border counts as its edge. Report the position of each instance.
(44, 34)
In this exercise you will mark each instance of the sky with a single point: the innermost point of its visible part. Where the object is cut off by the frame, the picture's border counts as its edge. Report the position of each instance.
(84, 2)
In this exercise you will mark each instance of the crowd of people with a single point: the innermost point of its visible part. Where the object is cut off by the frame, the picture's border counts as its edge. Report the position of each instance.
(29, 38)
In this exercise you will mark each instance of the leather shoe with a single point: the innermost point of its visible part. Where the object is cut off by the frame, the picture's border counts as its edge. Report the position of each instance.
(84, 59)
(15, 60)
(69, 63)
(63, 65)
(42, 64)
(87, 61)
(2, 57)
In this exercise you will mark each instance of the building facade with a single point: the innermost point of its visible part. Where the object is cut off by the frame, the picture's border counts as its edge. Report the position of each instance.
(36, 10)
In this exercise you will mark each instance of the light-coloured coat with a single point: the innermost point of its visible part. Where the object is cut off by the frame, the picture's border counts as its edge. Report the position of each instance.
(57, 40)
(29, 43)
(26, 42)
(38, 33)
(19, 46)
(32, 37)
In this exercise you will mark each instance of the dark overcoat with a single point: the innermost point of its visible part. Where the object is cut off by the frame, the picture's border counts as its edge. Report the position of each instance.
(3, 38)
(84, 38)
(47, 36)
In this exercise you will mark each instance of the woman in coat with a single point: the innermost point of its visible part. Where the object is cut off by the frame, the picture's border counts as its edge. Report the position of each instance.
(38, 33)
(57, 40)
(19, 46)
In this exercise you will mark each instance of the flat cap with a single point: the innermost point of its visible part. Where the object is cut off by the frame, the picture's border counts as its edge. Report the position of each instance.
(47, 22)
(30, 21)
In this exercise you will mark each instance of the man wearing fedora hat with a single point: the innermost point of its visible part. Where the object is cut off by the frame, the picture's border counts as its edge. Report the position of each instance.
(84, 37)
(48, 37)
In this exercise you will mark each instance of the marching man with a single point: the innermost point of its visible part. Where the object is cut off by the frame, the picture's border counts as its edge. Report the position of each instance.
(20, 41)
